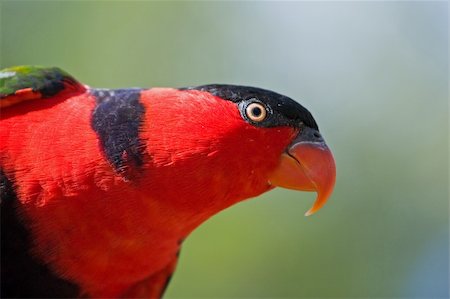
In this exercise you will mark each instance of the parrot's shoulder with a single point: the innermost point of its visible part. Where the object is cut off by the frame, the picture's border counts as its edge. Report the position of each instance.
(25, 83)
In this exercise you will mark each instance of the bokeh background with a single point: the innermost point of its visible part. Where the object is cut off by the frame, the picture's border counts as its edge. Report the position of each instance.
(374, 74)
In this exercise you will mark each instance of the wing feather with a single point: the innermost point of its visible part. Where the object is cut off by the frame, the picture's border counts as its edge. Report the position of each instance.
(24, 83)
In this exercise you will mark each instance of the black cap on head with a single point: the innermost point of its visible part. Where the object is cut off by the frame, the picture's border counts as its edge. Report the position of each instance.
(281, 110)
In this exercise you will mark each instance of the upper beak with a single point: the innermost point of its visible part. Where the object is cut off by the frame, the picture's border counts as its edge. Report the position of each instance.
(307, 165)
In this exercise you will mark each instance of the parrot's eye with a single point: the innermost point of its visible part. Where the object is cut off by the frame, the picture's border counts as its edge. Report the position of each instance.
(256, 112)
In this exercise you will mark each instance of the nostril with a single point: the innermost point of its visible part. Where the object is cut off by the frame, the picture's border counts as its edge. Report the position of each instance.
(317, 134)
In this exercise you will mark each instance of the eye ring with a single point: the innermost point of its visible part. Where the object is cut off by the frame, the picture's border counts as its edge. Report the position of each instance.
(256, 112)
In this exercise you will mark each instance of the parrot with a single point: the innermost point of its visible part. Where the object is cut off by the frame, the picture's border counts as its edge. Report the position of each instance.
(100, 187)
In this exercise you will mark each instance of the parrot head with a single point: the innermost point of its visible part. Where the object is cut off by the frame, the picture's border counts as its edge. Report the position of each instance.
(241, 141)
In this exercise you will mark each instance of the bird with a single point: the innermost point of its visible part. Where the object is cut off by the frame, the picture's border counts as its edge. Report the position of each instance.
(99, 187)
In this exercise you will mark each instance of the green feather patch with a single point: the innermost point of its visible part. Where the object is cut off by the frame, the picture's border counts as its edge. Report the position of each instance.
(23, 83)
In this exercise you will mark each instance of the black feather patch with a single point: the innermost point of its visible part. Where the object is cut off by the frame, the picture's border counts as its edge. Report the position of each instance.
(117, 120)
(282, 110)
(22, 275)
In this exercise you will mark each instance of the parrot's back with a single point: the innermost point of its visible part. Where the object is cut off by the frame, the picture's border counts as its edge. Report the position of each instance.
(68, 156)
(49, 155)
(22, 274)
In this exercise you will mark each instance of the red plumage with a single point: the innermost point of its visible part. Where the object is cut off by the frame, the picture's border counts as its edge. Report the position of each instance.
(114, 235)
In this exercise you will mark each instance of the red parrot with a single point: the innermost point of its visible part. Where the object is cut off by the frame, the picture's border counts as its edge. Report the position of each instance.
(99, 187)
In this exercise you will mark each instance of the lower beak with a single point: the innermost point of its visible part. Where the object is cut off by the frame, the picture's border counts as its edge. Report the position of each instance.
(307, 165)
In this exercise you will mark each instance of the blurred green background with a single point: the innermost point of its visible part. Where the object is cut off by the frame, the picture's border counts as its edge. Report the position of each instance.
(374, 75)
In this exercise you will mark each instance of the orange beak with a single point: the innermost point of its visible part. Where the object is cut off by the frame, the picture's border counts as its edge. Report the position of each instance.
(307, 165)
